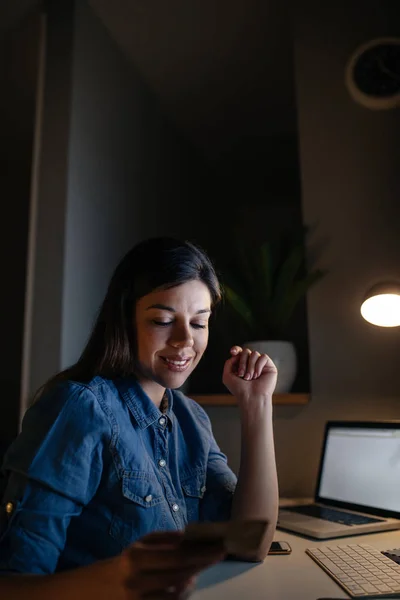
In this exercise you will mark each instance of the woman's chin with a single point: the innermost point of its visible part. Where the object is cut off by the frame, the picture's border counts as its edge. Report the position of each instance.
(174, 381)
(176, 385)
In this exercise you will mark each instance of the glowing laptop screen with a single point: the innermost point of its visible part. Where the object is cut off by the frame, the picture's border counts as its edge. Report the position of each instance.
(362, 466)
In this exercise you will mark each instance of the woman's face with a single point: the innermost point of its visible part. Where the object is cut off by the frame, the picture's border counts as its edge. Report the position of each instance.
(172, 334)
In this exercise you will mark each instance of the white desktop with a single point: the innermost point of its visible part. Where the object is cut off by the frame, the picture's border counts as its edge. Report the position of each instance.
(292, 577)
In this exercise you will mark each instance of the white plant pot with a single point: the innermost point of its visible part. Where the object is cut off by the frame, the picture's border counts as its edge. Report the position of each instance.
(284, 357)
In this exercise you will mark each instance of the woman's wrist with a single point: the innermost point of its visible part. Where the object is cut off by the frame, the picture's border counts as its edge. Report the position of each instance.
(255, 414)
(251, 403)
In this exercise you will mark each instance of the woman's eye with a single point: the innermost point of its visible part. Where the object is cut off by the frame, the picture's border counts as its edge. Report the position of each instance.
(166, 323)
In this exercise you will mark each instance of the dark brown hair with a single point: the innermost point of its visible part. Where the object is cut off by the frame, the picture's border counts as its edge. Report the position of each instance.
(154, 264)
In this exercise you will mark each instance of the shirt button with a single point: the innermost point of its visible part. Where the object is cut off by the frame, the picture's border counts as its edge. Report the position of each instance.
(9, 508)
(175, 507)
(162, 421)
(203, 489)
(162, 463)
(149, 498)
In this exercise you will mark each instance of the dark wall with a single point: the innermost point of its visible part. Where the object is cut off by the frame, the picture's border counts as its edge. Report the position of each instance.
(18, 76)
(113, 170)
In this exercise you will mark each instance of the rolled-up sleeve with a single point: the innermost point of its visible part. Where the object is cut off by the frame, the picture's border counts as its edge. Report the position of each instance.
(216, 504)
(54, 468)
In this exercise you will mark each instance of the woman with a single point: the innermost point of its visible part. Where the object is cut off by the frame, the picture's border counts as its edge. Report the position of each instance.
(111, 451)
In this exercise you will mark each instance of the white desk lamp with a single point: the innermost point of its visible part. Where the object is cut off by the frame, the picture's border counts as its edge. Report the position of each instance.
(381, 305)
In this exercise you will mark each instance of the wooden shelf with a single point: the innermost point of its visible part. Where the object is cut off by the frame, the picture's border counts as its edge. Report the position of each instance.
(228, 400)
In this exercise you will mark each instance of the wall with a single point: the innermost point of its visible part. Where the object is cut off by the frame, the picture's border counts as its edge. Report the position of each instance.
(18, 75)
(42, 344)
(219, 67)
(112, 172)
(350, 160)
(127, 169)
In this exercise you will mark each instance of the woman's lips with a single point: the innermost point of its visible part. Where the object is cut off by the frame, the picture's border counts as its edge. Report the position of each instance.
(176, 365)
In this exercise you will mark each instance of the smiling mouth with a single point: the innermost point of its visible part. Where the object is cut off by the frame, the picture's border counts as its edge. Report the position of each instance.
(176, 365)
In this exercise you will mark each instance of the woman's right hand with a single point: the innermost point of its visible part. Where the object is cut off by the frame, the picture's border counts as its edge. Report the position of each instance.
(161, 566)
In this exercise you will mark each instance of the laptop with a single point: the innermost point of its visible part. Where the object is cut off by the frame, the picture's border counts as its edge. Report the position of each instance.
(358, 487)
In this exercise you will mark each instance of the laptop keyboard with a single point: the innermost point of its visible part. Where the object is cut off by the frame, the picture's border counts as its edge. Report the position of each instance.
(361, 570)
(331, 514)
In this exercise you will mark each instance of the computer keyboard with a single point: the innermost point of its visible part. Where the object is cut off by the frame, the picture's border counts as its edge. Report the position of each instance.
(361, 570)
(393, 554)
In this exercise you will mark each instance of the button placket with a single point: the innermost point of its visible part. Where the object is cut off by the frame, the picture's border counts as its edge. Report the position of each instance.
(161, 451)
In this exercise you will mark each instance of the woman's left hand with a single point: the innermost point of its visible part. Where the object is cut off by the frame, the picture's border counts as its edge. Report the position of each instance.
(248, 373)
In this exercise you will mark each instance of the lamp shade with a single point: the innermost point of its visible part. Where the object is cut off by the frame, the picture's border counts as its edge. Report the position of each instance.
(381, 305)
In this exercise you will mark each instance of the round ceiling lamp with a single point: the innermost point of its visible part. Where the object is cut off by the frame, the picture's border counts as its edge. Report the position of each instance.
(381, 305)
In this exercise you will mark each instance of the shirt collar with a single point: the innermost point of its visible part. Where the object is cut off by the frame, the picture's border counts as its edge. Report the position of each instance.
(142, 408)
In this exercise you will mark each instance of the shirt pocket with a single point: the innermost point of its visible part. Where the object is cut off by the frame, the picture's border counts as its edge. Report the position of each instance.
(193, 490)
(141, 509)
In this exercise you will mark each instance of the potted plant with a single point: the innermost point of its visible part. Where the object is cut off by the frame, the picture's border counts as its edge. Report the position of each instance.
(264, 286)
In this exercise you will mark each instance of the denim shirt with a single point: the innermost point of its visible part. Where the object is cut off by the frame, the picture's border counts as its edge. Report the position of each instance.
(97, 466)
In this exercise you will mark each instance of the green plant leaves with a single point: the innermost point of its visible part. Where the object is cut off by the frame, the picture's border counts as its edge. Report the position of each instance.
(240, 305)
(267, 282)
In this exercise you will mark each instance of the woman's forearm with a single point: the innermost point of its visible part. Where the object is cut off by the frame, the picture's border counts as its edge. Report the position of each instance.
(256, 495)
(99, 581)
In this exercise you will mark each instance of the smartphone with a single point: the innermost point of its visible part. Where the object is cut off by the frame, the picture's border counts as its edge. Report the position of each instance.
(280, 548)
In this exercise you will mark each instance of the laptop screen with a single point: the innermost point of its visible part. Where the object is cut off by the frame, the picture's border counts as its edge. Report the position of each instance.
(361, 465)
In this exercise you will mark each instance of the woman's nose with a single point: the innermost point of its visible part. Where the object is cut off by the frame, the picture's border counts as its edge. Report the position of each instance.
(181, 338)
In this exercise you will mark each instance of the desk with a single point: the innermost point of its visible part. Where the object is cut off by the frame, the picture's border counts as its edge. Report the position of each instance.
(293, 577)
